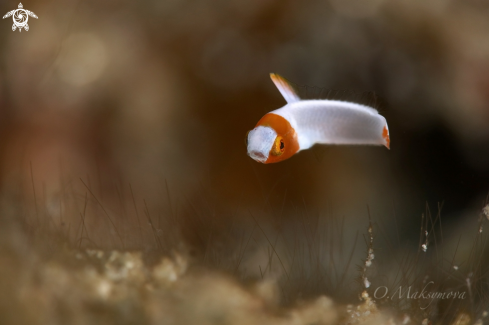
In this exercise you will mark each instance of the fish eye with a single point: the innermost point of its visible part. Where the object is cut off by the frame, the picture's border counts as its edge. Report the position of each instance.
(278, 147)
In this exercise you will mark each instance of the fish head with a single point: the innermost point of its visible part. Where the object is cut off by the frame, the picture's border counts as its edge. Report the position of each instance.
(272, 140)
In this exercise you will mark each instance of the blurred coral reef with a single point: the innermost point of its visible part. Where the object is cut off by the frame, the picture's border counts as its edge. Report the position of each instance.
(127, 195)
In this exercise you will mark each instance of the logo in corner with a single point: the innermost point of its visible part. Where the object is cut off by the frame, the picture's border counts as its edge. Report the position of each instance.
(20, 16)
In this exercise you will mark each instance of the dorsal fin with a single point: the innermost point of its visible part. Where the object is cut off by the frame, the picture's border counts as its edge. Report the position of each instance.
(285, 88)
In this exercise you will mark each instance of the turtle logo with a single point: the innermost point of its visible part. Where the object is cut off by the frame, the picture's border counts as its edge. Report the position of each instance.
(20, 16)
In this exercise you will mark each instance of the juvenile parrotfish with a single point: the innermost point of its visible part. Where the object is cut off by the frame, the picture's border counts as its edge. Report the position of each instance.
(300, 124)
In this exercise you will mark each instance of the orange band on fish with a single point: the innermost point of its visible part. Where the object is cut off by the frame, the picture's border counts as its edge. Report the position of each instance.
(287, 144)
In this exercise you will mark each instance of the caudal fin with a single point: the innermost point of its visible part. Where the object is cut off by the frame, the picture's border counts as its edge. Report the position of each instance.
(385, 136)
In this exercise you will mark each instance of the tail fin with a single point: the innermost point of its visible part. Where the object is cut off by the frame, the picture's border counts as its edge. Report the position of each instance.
(385, 136)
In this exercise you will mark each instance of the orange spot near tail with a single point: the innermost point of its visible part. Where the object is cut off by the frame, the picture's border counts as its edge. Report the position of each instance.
(385, 135)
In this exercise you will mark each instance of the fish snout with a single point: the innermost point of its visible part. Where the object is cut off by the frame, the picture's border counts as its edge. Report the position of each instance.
(260, 141)
(258, 156)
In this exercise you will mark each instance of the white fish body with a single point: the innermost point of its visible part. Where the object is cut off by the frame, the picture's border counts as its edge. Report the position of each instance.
(333, 122)
(302, 123)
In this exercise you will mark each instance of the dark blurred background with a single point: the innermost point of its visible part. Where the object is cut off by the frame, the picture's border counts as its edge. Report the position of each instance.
(160, 94)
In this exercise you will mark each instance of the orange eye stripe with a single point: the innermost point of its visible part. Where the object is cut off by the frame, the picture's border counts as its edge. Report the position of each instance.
(278, 146)
(286, 132)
